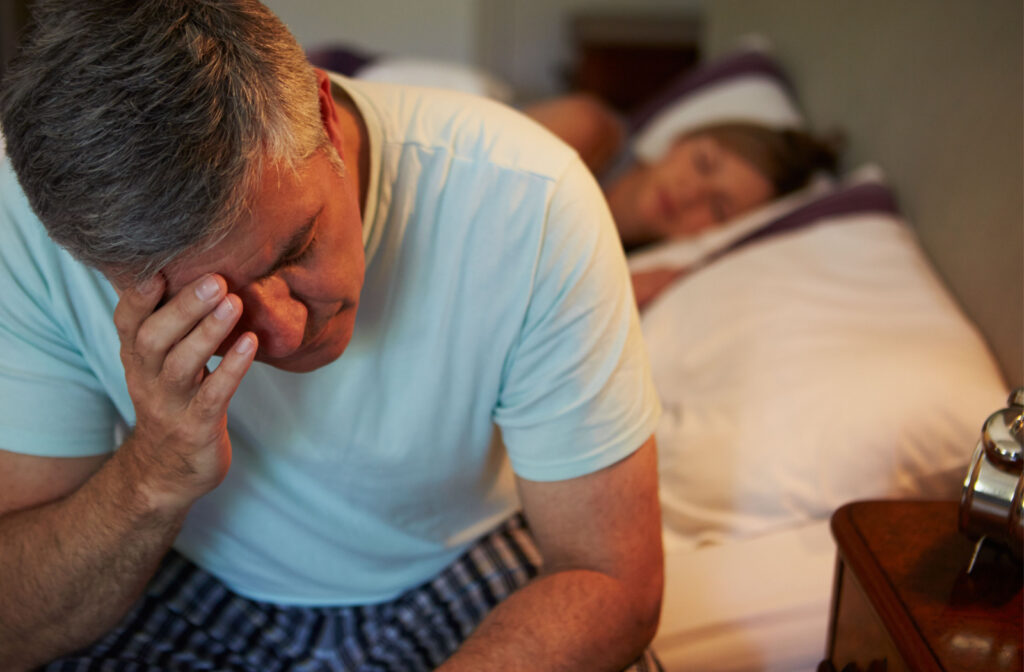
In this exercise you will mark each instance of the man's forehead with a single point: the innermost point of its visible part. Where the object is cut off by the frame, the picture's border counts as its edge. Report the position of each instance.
(285, 204)
(231, 256)
(282, 203)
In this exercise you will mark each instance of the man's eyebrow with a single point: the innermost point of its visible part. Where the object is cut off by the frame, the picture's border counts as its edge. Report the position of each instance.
(292, 248)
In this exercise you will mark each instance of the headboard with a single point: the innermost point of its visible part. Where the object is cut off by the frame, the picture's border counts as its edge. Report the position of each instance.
(933, 91)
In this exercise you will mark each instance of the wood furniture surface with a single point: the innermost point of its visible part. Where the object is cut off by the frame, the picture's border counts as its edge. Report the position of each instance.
(903, 600)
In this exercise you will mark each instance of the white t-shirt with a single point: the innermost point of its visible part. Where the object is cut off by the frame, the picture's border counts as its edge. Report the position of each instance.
(496, 311)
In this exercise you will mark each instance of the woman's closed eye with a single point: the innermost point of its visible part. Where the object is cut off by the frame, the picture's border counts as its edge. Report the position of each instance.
(702, 161)
(705, 159)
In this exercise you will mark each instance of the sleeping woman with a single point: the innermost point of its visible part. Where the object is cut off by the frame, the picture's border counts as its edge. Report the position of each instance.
(707, 177)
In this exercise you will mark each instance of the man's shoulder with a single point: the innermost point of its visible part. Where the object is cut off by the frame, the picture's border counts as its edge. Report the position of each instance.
(23, 240)
(467, 126)
(31, 263)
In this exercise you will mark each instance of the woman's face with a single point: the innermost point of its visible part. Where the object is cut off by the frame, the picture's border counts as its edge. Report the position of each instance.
(698, 184)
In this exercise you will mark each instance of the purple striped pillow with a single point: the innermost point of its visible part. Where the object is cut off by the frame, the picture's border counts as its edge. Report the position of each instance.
(851, 200)
(747, 86)
(342, 60)
(746, 63)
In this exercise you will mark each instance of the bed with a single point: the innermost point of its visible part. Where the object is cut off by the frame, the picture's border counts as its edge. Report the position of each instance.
(813, 357)
(822, 365)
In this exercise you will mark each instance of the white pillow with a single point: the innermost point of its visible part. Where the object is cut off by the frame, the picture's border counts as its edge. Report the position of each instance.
(747, 85)
(694, 250)
(752, 99)
(809, 369)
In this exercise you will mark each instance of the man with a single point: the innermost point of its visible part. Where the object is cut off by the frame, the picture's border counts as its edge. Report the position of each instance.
(202, 193)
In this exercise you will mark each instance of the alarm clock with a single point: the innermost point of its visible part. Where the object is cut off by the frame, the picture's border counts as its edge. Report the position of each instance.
(992, 502)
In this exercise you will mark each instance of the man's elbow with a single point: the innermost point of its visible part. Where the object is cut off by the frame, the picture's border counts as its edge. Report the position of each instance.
(645, 588)
(648, 606)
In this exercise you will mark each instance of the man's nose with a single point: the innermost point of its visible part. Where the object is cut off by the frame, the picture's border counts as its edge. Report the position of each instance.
(278, 318)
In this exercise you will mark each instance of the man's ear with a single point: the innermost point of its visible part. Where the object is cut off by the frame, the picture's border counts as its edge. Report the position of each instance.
(124, 281)
(120, 280)
(329, 111)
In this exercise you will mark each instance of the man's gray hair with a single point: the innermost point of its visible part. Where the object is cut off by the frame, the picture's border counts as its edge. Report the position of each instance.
(139, 129)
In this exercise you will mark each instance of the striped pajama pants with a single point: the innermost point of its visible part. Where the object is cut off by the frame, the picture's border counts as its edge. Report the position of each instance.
(188, 620)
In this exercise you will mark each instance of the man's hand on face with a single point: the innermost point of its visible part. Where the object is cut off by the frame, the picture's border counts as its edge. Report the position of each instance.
(180, 445)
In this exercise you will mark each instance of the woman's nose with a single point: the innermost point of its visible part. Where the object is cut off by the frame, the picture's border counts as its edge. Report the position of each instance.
(279, 320)
(690, 192)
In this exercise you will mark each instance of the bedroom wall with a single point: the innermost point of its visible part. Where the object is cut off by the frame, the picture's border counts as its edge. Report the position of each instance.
(525, 42)
(932, 91)
(441, 29)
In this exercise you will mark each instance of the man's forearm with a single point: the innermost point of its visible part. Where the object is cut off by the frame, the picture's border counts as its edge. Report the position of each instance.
(575, 619)
(70, 569)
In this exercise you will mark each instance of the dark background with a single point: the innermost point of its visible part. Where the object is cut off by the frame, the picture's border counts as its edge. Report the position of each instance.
(13, 17)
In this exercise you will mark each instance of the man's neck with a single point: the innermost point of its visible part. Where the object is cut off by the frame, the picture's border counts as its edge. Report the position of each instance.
(356, 140)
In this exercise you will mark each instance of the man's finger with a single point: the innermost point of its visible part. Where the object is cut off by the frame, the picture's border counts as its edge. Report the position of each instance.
(184, 364)
(134, 305)
(216, 390)
(173, 321)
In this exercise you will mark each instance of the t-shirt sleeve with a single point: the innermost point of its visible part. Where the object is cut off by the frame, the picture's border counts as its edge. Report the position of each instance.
(577, 394)
(51, 403)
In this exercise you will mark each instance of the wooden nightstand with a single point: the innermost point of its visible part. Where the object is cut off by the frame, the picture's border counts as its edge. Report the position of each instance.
(902, 599)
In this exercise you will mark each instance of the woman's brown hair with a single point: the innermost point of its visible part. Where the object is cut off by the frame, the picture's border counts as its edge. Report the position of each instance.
(788, 157)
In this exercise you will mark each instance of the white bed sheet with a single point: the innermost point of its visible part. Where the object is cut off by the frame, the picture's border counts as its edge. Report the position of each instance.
(753, 604)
